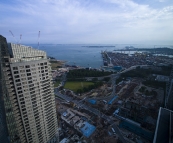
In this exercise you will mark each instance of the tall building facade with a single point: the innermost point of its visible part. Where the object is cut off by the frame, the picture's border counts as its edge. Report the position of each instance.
(164, 127)
(27, 77)
(3, 124)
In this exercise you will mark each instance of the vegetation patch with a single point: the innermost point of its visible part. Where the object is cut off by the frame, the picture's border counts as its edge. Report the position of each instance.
(80, 73)
(146, 92)
(83, 86)
(56, 64)
(56, 84)
(155, 84)
(144, 73)
(75, 85)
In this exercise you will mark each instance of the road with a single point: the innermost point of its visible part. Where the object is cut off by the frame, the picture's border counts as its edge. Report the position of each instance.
(94, 111)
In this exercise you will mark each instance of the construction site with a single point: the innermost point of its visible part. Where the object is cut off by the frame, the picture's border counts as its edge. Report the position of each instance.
(128, 105)
(124, 108)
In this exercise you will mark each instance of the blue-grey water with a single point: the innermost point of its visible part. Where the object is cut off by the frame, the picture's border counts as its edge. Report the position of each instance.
(81, 55)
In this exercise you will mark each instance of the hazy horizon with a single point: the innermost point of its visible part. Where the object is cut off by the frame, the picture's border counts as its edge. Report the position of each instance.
(88, 22)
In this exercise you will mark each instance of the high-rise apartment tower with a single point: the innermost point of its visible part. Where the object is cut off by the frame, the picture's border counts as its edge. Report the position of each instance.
(28, 94)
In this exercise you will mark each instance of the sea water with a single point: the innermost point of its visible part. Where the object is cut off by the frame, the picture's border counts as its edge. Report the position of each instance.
(82, 55)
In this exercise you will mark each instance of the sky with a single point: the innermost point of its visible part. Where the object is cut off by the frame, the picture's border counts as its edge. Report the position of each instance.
(87, 21)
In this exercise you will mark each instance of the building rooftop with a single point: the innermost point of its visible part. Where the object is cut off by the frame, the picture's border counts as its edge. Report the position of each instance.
(65, 140)
(87, 129)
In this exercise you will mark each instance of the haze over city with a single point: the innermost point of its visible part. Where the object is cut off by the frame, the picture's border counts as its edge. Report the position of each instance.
(88, 22)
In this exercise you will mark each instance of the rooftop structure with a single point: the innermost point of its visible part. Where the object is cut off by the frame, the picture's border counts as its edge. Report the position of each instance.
(65, 140)
(75, 120)
(87, 129)
(162, 78)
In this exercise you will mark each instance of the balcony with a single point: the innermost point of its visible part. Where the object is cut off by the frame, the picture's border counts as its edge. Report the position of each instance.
(11, 91)
(6, 69)
(7, 64)
(7, 76)
(16, 112)
(9, 81)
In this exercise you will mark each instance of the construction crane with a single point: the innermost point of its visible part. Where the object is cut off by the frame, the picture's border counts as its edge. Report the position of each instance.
(38, 39)
(20, 38)
(13, 35)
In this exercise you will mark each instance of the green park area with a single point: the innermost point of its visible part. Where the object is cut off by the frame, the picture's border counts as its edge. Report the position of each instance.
(56, 84)
(77, 85)
(56, 64)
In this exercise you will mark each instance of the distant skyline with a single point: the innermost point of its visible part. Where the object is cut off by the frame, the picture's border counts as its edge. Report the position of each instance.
(88, 21)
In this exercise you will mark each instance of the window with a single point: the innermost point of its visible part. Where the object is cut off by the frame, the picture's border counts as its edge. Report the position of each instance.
(19, 88)
(23, 78)
(28, 74)
(18, 84)
(34, 105)
(26, 90)
(16, 72)
(23, 109)
(22, 71)
(25, 116)
(33, 96)
(17, 80)
(29, 78)
(28, 70)
(23, 102)
(27, 66)
(33, 99)
(16, 76)
(31, 89)
(24, 83)
(27, 126)
(22, 75)
(29, 81)
(19, 92)
(23, 106)
(31, 85)
(32, 92)
(15, 68)
(20, 95)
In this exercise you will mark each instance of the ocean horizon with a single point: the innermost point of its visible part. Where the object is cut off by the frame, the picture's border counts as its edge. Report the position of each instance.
(84, 55)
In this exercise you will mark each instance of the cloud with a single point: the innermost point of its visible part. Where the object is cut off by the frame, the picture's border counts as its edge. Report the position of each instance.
(162, 0)
(75, 21)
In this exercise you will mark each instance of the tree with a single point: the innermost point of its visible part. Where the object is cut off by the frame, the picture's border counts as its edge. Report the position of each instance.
(106, 79)
(95, 79)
